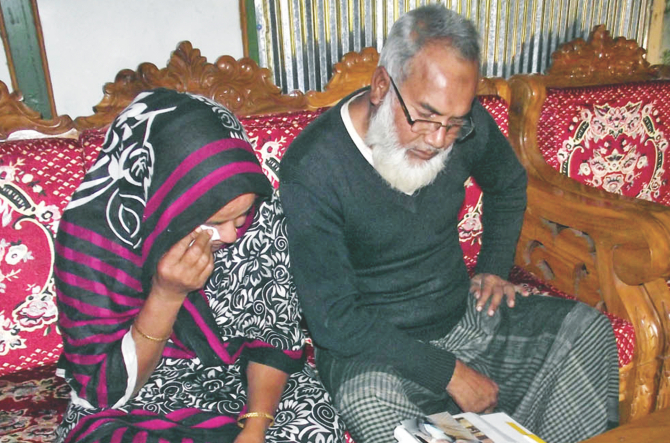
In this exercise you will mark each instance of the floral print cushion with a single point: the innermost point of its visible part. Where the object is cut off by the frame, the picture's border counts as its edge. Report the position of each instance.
(37, 178)
(612, 137)
(271, 134)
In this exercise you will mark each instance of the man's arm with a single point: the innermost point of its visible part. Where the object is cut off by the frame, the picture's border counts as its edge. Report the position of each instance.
(503, 181)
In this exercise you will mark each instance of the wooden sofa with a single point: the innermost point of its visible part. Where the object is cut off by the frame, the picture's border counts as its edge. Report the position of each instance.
(592, 133)
(32, 399)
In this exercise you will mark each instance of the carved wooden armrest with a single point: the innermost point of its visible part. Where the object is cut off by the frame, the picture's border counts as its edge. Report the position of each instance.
(614, 258)
(635, 233)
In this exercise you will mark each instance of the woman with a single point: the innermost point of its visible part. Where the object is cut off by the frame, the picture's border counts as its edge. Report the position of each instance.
(171, 334)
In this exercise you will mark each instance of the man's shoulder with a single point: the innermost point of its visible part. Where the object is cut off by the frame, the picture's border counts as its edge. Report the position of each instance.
(315, 144)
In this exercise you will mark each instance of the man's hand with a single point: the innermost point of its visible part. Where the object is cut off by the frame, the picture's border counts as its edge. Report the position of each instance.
(471, 390)
(490, 286)
(185, 267)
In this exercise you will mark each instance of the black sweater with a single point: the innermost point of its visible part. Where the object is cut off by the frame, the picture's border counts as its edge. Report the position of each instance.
(380, 273)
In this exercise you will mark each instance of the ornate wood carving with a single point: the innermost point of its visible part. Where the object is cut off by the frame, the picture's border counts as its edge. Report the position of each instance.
(353, 72)
(242, 85)
(662, 303)
(16, 115)
(600, 59)
(560, 256)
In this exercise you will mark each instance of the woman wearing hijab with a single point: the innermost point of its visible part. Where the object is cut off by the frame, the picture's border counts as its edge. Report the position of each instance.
(179, 316)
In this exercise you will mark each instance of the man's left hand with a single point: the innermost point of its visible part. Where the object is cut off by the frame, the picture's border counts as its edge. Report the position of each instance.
(487, 287)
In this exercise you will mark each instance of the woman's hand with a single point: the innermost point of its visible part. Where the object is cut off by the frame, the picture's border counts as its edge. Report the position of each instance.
(185, 267)
(251, 434)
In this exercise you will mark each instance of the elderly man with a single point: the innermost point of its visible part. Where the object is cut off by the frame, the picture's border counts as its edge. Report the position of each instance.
(371, 192)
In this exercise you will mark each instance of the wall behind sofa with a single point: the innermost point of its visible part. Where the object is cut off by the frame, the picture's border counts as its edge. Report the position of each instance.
(88, 41)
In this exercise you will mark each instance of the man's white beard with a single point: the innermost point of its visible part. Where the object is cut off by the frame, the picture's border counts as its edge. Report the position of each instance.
(389, 156)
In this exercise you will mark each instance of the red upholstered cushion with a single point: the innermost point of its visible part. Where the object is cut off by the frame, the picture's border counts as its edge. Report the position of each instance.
(612, 137)
(37, 178)
(91, 141)
(271, 135)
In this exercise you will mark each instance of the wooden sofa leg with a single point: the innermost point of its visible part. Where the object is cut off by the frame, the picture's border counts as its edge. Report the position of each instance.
(649, 342)
(660, 295)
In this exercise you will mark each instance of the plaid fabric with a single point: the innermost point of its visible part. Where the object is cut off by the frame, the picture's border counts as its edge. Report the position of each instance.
(555, 362)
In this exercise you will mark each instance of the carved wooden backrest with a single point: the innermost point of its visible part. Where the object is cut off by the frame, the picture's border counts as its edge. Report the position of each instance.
(599, 60)
(241, 85)
(16, 115)
(553, 113)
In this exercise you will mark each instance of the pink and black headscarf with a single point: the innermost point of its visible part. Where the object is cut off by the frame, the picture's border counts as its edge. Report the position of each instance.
(169, 162)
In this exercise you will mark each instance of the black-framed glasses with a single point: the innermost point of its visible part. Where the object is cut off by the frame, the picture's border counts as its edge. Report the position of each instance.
(461, 128)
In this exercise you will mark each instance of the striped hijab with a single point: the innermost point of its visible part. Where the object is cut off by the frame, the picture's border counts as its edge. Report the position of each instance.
(169, 161)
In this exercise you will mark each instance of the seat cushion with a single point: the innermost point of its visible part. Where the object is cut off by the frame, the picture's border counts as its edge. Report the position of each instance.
(37, 179)
(612, 137)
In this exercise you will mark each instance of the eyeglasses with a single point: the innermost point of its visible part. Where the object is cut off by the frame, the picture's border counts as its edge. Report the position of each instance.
(461, 128)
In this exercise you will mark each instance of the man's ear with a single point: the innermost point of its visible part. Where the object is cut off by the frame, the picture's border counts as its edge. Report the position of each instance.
(379, 85)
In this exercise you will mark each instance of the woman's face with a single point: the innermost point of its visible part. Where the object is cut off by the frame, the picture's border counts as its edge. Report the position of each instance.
(230, 217)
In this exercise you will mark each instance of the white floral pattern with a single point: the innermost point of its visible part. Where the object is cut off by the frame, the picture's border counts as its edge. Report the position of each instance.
(26, 226)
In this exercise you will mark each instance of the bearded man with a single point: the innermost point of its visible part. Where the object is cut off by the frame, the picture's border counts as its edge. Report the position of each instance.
(371, 192)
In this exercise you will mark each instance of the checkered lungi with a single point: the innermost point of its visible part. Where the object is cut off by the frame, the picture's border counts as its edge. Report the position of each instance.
(554, 360)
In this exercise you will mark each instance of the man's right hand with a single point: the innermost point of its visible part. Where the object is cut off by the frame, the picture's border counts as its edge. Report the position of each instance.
(471, 390)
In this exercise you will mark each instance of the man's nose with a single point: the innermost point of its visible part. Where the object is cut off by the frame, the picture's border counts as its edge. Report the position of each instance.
(439, 139)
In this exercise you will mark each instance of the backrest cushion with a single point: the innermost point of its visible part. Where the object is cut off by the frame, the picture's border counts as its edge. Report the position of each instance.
(612, 137)
(91, 141)
(271, 134)
(37, 179)
(470, 216)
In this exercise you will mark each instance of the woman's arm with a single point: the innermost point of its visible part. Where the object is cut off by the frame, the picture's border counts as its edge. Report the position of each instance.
(265, 386)
(184, 268)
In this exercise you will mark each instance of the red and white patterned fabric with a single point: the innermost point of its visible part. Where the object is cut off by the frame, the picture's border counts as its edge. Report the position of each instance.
(612, 137)
(91, 141)
(270, 135)
(37, 178)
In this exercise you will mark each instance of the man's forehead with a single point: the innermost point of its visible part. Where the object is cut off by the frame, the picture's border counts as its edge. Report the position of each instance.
(442, 83)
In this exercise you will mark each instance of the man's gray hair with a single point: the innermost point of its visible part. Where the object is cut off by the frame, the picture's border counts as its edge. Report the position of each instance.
(422, 26)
